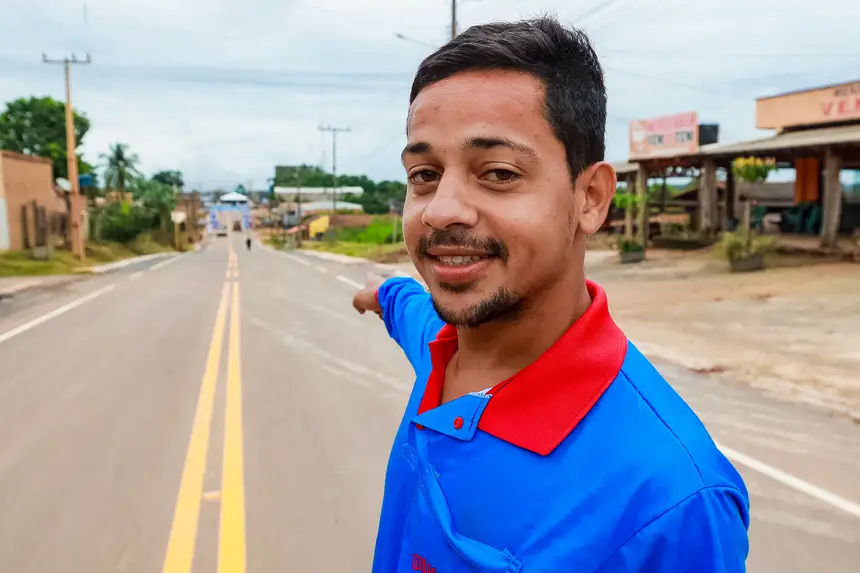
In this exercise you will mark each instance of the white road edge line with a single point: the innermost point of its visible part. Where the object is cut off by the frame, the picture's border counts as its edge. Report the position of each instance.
(135, 275)
(294, 258)
(350, 282)
(163, 264)
(53, 314)
(794, 483)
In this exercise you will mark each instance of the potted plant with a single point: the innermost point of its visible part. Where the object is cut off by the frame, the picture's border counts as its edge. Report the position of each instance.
(629, 249)
(746, 251)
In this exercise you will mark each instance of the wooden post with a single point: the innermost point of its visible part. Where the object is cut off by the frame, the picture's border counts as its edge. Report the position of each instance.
(832, 199)
(729, 203)
(628, 212)
(642, 213)
(708, 199)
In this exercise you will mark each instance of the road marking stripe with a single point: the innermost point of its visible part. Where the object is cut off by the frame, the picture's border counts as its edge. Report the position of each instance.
(793, 482)
(163, 264)
(135, 275)
(231, 538)
(295, 258)
(53, 314)
(183, 533)
(321, 269)
(350, 282)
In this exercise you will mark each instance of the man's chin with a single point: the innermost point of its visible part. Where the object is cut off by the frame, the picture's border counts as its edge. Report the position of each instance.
(473, 307)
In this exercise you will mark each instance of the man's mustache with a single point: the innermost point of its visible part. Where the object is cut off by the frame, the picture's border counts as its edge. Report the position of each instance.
(462, 238)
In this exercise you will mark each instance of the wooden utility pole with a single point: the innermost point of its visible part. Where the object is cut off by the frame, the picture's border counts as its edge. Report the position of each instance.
(334, 131)
(453, 19)
(76, 230)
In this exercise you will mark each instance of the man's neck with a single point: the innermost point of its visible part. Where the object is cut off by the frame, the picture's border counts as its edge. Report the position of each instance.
(500, 349)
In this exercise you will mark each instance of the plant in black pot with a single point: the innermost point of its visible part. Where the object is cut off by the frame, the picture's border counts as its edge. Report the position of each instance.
(746, 251)
(630, 251)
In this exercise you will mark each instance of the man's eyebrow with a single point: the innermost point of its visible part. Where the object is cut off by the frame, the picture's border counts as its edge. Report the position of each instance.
(415, 148)
(491, 142)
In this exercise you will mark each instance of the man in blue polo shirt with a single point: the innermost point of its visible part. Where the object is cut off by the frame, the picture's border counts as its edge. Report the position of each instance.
(537, 437)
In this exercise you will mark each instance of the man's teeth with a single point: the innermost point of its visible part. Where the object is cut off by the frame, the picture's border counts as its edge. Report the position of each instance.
(458, 260)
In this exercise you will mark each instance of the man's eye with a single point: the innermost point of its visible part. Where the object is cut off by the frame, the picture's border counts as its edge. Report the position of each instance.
(501, 175)
(424, 176)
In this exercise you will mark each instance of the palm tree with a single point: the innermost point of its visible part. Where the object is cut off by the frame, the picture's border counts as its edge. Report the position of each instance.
(120, 166)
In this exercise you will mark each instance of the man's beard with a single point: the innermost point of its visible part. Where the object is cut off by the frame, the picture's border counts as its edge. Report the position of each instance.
(503, 305)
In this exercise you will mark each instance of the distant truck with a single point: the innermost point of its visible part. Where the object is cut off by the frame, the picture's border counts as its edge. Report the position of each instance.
(237, 226)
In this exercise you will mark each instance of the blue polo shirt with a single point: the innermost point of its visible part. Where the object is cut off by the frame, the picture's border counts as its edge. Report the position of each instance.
(584, 461)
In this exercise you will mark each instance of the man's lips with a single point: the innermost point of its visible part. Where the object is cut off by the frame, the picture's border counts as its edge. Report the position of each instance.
(458, 266)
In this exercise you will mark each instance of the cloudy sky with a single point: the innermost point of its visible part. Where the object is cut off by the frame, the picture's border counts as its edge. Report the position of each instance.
(226, 89)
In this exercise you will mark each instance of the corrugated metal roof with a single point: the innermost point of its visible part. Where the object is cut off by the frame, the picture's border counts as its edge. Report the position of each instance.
(625, 168)
(845, 134)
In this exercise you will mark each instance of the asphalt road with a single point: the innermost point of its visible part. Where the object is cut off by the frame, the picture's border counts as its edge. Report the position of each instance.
(230, 412)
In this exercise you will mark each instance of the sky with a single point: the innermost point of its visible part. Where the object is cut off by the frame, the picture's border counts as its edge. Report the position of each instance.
(224, 90)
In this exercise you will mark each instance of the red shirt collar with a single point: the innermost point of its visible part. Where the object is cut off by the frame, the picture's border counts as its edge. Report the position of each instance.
(539, 406)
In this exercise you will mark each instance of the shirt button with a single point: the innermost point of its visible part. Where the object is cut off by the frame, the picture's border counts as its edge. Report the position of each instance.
(458, 422)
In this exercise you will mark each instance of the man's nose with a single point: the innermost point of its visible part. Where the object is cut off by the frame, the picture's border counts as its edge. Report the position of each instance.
(452, 204)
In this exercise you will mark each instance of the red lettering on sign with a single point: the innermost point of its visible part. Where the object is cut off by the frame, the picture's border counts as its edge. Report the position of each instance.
(841, 107)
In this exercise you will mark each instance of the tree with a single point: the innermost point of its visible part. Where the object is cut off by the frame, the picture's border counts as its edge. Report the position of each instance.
(120, 167)
(170, 178)
(156, 196)
(37, 126)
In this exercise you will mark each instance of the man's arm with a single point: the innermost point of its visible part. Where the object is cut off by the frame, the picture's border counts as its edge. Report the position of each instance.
(705, 533)
(407, 310)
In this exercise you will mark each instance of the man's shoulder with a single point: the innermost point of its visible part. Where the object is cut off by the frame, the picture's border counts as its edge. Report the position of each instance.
(666, 421)
(658, 450)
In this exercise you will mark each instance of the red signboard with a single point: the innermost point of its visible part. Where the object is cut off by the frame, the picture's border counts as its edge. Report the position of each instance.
(666, 136)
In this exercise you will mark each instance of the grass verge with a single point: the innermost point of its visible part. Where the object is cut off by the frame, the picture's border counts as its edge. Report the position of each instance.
(62, 262)
(372, 251)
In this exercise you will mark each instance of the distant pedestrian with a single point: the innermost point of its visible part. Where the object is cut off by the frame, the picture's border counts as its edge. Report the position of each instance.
(536, 437)
(248, 242)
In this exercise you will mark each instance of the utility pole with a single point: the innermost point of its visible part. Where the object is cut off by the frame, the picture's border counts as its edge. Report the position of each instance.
(453, 19)
(334, 131)
(299, 207)
(76, 232)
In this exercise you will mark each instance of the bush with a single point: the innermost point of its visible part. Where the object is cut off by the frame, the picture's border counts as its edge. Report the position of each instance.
(121, 222)
(739, 245)
(630, 246)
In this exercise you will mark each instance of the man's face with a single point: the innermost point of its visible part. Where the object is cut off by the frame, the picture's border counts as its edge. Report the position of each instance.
(491, 212)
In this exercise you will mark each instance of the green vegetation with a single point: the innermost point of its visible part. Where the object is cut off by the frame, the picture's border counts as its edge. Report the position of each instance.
(37, 126)
(376, 241)
(379, 232)
(629, 246)
(375, 198)
(742, 245)
(373, 251)
(61, 262)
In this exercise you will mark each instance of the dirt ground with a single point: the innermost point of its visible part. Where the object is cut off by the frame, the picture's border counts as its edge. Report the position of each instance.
(792, 332)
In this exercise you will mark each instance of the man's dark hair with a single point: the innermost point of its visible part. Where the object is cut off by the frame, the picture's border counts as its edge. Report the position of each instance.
(561, 57)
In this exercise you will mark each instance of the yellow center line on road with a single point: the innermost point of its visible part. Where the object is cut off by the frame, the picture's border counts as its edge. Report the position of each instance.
(231, 539)
(183, 533)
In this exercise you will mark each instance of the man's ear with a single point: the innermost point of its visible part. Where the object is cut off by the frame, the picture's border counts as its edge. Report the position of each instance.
(597, 183)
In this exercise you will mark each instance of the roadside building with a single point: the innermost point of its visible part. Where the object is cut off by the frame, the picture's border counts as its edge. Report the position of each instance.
(31, 212)
(817, 133)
